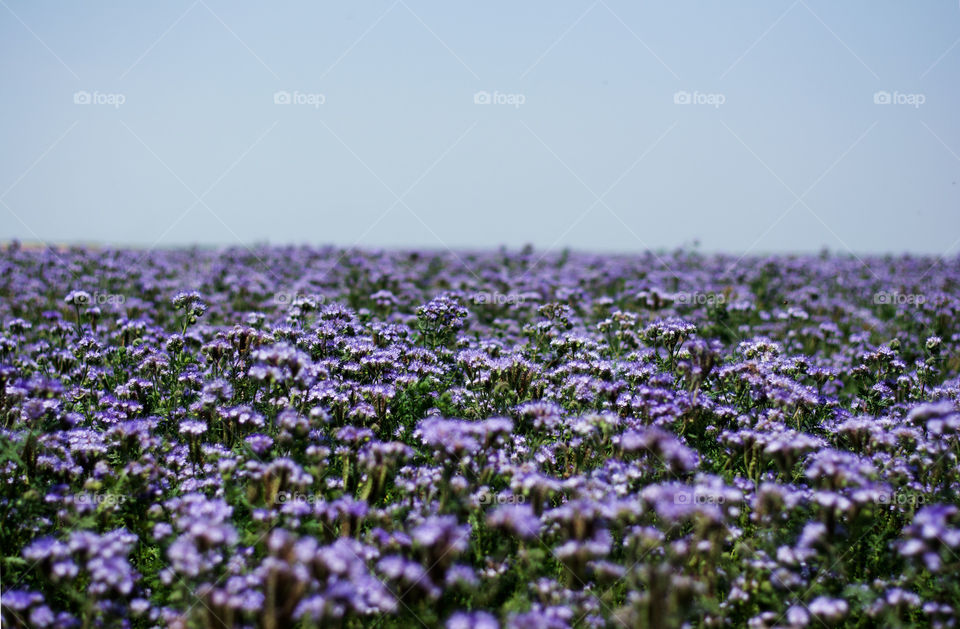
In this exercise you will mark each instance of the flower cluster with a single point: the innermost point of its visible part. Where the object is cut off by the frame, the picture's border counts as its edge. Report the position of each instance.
(387, 450)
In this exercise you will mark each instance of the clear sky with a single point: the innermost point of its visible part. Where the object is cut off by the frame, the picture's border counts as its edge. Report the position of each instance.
(608, 125)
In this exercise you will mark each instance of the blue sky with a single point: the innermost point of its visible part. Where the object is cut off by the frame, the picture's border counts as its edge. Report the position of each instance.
(599, 125)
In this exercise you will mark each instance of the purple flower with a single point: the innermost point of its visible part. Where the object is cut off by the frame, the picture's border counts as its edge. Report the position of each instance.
(20, 600)
(934, 529)
(519, 520)
(260, 444)
(193, 427)
(472, 620)
(828, 609)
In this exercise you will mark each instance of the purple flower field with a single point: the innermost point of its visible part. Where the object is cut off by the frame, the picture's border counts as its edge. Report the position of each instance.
(318, 437)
